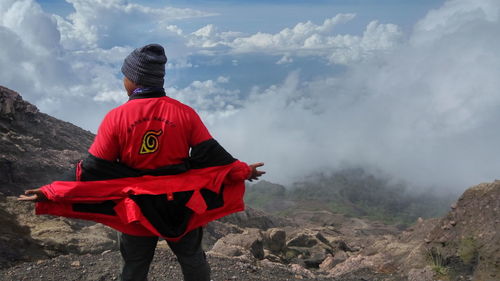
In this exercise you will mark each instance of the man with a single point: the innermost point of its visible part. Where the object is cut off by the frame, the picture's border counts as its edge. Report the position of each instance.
(153, 134)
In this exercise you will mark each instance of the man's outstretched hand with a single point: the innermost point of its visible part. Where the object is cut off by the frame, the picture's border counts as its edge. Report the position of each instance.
(256, 173)
(33, 195)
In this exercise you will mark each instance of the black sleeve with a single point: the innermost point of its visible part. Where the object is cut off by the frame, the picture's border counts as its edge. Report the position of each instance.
(94, 168)
(209, 154)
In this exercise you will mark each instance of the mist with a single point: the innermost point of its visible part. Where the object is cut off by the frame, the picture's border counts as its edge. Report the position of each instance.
(425, 112)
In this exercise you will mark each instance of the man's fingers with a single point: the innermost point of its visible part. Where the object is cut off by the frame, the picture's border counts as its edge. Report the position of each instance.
(27, 198)
(30, 191)
(256, 165)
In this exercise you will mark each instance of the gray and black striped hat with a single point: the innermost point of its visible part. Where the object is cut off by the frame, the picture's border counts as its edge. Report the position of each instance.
(145, 66)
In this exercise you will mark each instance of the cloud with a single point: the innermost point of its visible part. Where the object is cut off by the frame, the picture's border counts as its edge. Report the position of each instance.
(285, 59)
(100, 23)
(304, 39)
(210, 98)
(426, 112)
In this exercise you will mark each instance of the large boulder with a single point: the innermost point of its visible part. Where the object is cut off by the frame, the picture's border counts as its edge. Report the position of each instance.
(275, 240)
(250, 243)
(216, 230)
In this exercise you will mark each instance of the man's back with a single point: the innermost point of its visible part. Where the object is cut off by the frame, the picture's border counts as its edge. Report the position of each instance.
(149, 132)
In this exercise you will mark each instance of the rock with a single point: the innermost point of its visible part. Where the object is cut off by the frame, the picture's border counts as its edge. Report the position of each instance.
(327, 264)
(301, 271)
(251, 218)
(222, 248)
(36, 149)
(340, 244)
(302, 240)
(268, 255)
(249, 241)
(216, 230)
(315, 259)
(355, 263)
(331, 261)
(339, 257)
(292, 253)
(275, 240)
(423, 274)
(75, 264)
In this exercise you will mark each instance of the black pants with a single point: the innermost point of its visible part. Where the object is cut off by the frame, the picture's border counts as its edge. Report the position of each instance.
(138, 252)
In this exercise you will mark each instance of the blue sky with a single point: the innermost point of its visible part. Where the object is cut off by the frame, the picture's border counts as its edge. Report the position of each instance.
(404, 88)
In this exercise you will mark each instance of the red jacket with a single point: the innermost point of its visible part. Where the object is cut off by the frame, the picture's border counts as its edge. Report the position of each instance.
(76, 199)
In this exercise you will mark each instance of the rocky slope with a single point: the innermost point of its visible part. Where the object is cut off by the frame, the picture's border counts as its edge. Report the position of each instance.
(467, 240)
(35, 148)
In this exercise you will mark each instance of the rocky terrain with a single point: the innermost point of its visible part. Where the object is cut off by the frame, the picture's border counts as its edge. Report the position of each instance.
(35, 148)
(251, 245)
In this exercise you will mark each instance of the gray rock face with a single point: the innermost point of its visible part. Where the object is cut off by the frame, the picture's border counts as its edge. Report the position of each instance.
(35, 149)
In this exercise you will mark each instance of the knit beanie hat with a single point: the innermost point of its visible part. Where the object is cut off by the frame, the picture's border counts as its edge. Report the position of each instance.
(145, 66)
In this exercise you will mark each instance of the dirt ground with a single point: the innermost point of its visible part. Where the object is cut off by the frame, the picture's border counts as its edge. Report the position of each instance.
(106, 266)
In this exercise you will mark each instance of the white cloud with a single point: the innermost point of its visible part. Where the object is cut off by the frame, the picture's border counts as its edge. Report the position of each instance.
(453, 17)
(97, 22)
(209, 97)
(175, 29)
(209, 37)
(285, 59)
(304, 39)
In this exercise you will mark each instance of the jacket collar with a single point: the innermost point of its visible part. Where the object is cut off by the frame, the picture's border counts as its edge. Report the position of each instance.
(148, 92)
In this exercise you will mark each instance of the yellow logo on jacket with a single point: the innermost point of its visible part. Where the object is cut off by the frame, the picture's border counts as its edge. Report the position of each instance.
(150, 142)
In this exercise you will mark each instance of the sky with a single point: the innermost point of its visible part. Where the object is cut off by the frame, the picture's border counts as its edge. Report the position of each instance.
(408, 89)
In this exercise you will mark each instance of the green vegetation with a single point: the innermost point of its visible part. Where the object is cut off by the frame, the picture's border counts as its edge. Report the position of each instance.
(352, 192)
(437, 261)
(467, 251)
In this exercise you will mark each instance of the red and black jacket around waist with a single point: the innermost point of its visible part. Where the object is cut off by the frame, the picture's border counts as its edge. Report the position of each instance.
(167, 202)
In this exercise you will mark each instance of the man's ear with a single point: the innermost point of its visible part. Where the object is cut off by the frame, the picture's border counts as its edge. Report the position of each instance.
(129, 85)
